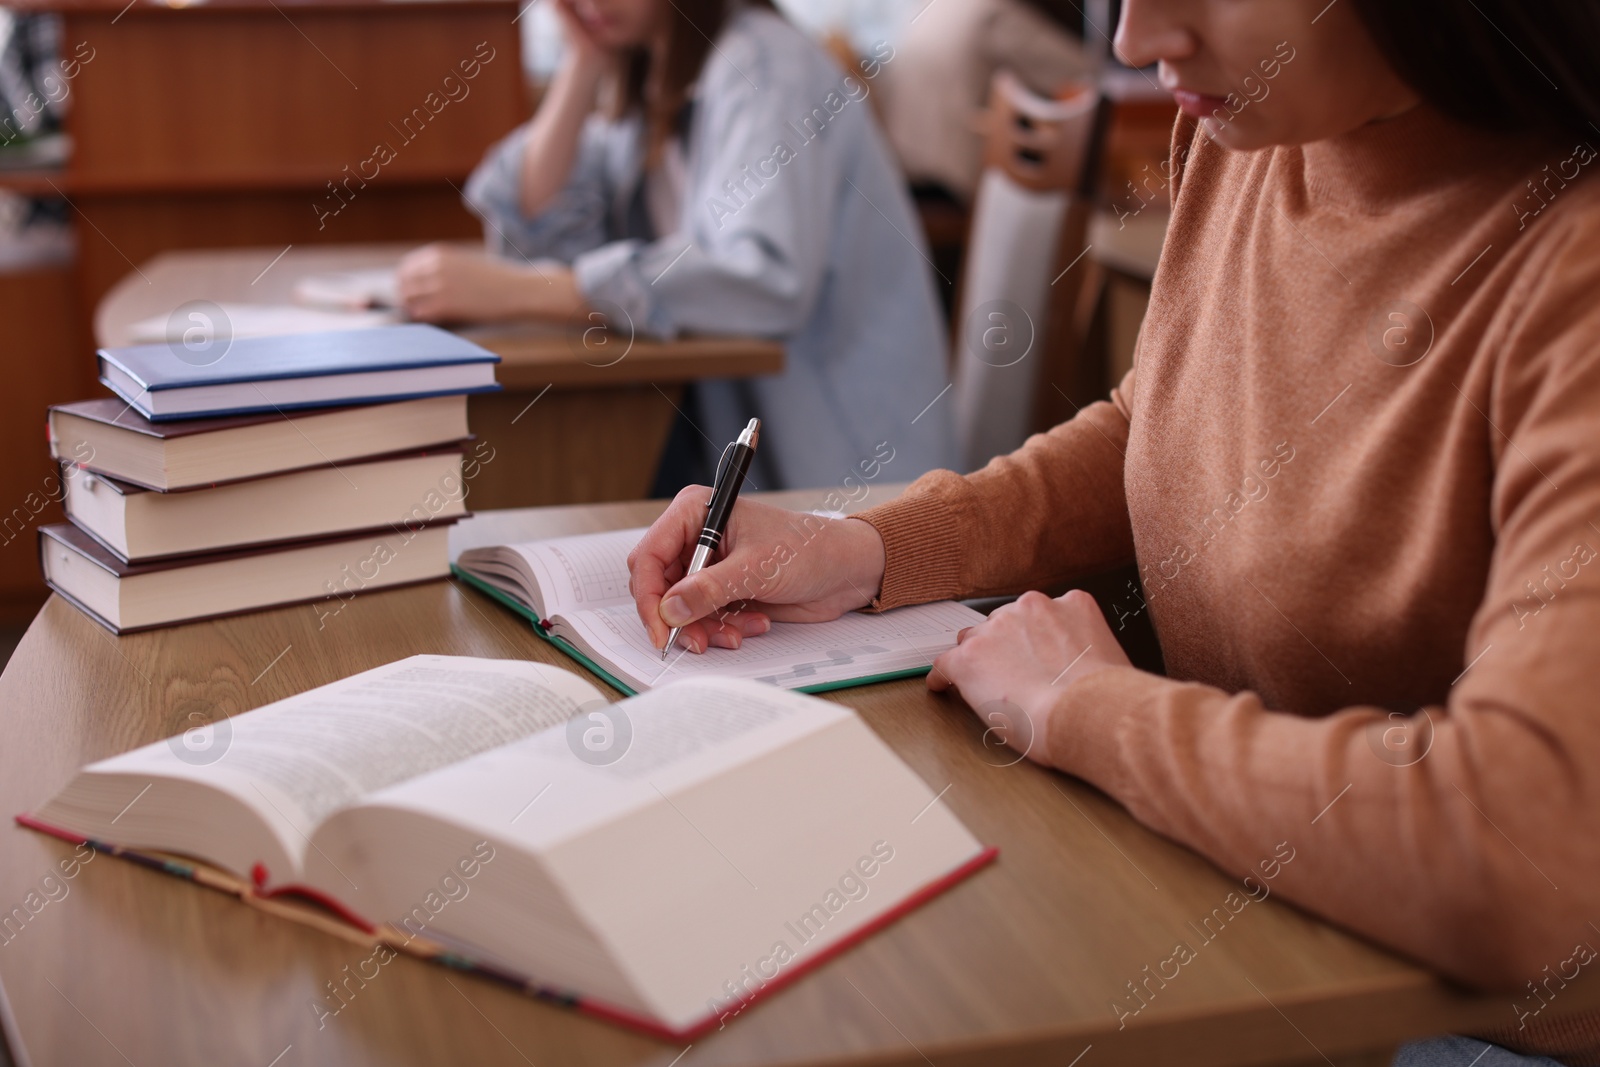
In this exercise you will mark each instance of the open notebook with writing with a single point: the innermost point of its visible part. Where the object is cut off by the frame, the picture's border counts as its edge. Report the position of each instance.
(575, 590)
(658, 862)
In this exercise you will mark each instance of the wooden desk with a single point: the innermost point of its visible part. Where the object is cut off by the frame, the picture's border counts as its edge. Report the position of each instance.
(1018, 965)
(596, 436)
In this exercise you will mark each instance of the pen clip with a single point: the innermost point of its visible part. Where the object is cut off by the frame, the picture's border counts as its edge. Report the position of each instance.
(722, 468)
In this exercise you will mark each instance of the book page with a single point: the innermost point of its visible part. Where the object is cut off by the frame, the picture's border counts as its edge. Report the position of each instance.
(763, 868)
(551, 785)
(296, 761)
(791, 655)
(583, 571)
(521, 804)
(582, 585)
(353, 289)
(736, 817)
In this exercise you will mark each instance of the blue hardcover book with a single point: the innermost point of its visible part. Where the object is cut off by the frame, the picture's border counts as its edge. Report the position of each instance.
(309, 370)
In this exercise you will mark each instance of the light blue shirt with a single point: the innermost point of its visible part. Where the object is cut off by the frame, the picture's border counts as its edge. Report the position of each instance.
(794, 225)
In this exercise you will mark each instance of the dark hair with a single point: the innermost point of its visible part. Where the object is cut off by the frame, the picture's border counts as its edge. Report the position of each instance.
(692, 25)
(1505, 65)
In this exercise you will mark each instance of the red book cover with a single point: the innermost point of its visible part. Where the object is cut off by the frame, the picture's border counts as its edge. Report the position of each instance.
(332, 917)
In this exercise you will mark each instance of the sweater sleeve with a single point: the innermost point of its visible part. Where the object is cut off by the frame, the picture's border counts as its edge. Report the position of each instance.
(1053, 509)
(1464, 833)
(574, 221)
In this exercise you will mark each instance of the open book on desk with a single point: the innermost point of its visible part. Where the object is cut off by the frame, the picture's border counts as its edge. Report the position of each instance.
(575, 591)
(350, 290)
(657, 862)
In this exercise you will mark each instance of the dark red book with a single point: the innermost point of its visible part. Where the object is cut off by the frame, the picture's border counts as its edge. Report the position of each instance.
(107, 436)
(127, 597)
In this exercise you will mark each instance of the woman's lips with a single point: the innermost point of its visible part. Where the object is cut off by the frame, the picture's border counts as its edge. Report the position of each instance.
(1198, 105)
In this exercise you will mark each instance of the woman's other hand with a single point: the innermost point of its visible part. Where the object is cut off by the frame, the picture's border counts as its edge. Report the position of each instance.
(1012, 668)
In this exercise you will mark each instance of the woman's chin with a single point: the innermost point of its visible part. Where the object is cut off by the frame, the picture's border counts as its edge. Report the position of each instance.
(1232, 136)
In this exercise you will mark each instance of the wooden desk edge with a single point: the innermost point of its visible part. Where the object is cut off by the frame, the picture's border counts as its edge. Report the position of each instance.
(528, 363)
(1402, 1007)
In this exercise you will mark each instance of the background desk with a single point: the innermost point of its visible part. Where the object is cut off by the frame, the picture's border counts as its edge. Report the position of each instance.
(224, 123)
(596, 436)
(1018, 965)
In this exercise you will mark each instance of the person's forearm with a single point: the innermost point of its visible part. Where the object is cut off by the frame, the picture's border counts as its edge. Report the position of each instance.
(861, 559)
(552, 144)
(553, 293)
(1392, 839)
(1051, 510)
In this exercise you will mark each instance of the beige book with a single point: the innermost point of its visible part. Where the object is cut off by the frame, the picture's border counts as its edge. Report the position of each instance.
(657, 862)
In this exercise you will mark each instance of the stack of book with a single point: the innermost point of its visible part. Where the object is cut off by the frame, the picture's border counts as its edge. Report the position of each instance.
(293, 469)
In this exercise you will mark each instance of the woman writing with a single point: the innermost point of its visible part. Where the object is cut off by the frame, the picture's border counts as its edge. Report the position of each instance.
(736, 183)
(1358, 466)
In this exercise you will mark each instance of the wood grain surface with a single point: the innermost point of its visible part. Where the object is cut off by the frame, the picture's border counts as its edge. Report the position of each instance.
(1020, 964)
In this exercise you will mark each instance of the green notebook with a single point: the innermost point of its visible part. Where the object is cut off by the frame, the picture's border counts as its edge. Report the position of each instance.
(575, 592)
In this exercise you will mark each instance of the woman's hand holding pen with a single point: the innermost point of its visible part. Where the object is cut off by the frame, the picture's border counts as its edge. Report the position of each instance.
(774, 565)
(788, 566)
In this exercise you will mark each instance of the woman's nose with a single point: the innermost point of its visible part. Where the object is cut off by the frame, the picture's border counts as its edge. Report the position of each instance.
(1153, 30)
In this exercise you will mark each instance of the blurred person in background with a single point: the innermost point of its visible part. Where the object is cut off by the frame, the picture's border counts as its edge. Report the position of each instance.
(700, 166)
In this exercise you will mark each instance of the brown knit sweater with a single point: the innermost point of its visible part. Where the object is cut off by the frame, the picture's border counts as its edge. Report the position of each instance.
(1358, 465)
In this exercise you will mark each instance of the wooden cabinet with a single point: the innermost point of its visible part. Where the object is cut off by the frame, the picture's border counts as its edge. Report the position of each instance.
(253, 122)
(43, 352)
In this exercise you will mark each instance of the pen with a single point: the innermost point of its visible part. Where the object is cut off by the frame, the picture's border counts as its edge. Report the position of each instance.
(731, 469)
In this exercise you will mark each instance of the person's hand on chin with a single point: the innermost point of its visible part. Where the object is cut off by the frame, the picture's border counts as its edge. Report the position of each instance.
(1019, 660)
